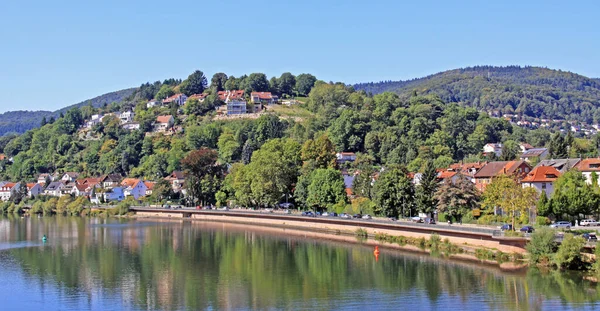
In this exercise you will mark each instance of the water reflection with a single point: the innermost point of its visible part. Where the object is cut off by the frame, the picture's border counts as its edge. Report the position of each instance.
(100, 263)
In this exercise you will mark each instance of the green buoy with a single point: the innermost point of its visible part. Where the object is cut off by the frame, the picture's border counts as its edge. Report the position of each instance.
(44, 238)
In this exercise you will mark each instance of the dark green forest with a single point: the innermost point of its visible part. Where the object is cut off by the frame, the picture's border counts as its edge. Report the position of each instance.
(529, 91)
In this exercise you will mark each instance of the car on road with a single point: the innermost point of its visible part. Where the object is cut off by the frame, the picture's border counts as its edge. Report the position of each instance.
(561, 224)
(590, 237)
(588, 223)
(527, 229)
(333, 214)
(392, 219)
(430, 221)
(346, 216)
(417, 220)
(358, 216)
(325, 214)
(367, 217)
(506, 227)
(287, 211)
(308, 213)
(224, 208)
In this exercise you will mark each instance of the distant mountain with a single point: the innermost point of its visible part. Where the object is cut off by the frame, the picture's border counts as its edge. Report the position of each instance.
(22, 121)
(530, 91)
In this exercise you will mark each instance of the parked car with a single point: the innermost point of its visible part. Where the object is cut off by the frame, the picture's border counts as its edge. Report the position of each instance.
(430, 221)
(506, 227)
(333, 214)
(167, 206)
(308, 213)
(224, 208)
(357, 216)
(367, 217)
(590, 237)
(287, 211)
(392, 219)
(527, 229)
(416, 219)
(346, 216)
(325, 214)
(286, 205)
(588, 222)
(561, 224)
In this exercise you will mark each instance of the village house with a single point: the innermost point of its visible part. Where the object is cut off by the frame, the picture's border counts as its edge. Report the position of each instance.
(493, 169)
(110, 195)
(467, 169)
(226, 96)
(67, 188)
(199, 97)
(34, 189)
(176, 179)
(126, 117)
(533, 153)
(69, 177)
(343, 157)
(525, 146)
(541, 178)
(587, 167)
(54, 189)
(43, 178)
(562, 165)
(149, 187)
(8, 190)
(180, 99)
(110, 180)
(94, 120)
(263, 98)
(131, 126)
(81, 190)
(152, 103)
(163, 123)
(492, 148)
(133, 187)
(236, 106)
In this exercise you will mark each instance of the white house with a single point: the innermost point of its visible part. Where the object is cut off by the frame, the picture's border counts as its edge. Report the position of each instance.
(95, 119)
(131, 126)
(34, 189)
(69, 177)
(180, 99)
(588, 167)
(133, 187)
(110, 180)
(149, 187)
(81, 190)
(152, 103)
(236, 106)
(42, 178)
(493, 148)
(345, 157)
(177, 179)
(54, 189)
(126, 117)
(265, 98)
(8, 190)
(110, 195)
(540, 153)
(163, 123)
(541, 179)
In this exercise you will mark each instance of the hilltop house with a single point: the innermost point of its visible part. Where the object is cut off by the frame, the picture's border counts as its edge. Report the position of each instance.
(492, 148)
(126, 117)
(69, 177)
(226, 96)
(541, 178)
(133, 187)
(530, 154)
(199, 97)
(34, 189)
(8, 190)
(525, 146)
(163, 123)
(54, 189)
(467, 169)
(43, 177)
(152, 103)
(587, 167)
(180, 99)
(342, 157)
(263, 98)
(110, 180)
(131, 126)
(236, 106)
(493, 169)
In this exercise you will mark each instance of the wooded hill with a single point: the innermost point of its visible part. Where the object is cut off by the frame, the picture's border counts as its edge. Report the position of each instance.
(531, 91)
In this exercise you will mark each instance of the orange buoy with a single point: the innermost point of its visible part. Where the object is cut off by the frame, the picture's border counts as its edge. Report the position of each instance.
(376, 253)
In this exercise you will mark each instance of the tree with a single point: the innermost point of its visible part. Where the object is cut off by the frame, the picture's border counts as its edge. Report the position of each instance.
(558, 147)
(363, 183)
(568, 255)
(456, 199)
(543, 205)
(162, 190)
(394, 193)
(203, 174)
(326, 189)
(20, 194)
(164, 92)
(217, 83)
(318, 153)
(506, 193)
(194, 84)
(541, 246)
(572, 196)
(305, 83)
(256, 82)
(425, 191)
(510, 150)
(286, 83)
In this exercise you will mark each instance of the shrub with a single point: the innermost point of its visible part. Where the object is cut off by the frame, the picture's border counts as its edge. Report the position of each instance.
(542, 221)
(596, 266)
(492, 219)
(361, 233)
(541, 246)
(36, 208)
(468, 218)
(568, 255)
(435, 241)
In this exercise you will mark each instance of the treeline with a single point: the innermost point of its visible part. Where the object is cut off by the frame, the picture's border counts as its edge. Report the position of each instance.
(529, 91)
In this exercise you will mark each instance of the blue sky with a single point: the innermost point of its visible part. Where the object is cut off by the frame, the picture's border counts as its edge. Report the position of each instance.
(57, 53)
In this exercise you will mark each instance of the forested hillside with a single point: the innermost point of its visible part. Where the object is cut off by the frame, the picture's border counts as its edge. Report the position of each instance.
(530, 91)
(22, 121)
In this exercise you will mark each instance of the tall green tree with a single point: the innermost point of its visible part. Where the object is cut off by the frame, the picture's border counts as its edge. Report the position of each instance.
(425, 191)
(194, 84)
(457, 199)
(506, 193)
(558, 147)
(256, 82)
(305, 83)
(572, 196)
(326, 189)
(217, 82)
(318, 153)
(203, 174)
(394, 193)
(286, 84)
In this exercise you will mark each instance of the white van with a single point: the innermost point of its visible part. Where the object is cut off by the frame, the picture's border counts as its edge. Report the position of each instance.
(588, 223)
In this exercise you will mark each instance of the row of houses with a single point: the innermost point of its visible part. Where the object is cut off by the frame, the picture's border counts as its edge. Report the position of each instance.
(107, 188)
(528, 152)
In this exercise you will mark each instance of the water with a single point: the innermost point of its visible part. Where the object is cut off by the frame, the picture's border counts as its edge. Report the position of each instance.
(109, 264)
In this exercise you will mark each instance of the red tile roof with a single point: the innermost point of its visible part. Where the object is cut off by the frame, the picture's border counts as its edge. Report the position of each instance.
(493, 169)
(2, 157)
(542, 174)
(588, 165)
(163, 119)
(130, 182)
(198, 96)
(9, 185)
(262, 95)
(172, 98)
(149, 185)
(446, 174)
(31, 185)
(233, 94)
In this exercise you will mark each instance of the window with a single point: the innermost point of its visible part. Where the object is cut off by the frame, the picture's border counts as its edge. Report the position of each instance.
(543, 186)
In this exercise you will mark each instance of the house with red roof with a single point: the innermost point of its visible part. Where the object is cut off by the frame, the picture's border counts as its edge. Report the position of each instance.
(8, 190)
(541, 178)
(199, 97)
(263, 98)
(485, 175)
(467, 169)
(587, 167)
(163, 123)
(180, 99)
(134, 187)
(149, 187)
(226, 96)
(34, 189)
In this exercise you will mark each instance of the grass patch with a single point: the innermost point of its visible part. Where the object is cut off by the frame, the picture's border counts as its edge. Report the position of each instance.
(294, 111)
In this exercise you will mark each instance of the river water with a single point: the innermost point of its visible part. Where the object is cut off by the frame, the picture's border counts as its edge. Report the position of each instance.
(110, 264)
